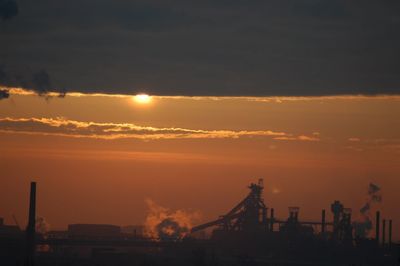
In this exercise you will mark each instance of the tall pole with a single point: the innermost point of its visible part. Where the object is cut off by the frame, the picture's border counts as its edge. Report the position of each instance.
(383, 232)
(30, 230)
(323, 222)
(390, 233)
(377, 226)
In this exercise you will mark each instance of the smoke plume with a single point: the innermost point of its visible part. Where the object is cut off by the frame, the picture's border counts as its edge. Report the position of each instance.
(42, 226)
(165, 224)
(364, 226)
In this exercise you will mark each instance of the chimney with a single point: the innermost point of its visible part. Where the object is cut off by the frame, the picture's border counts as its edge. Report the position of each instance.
(383, 232)
(32, 207)
(264, 218)
(390, 232)
(30, 230)
(323, 222)
(272, 220)
(377, 226)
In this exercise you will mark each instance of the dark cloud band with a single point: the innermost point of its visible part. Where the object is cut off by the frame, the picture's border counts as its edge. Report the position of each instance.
(215, 48)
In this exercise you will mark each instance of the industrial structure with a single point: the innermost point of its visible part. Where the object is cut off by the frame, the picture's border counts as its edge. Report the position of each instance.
(249, 220)
(31, 228)
(245, 229)
(249, 215)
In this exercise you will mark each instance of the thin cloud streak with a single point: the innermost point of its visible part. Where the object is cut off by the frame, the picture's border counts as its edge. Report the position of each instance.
(301, 137)
(110, 131)
(275, 99)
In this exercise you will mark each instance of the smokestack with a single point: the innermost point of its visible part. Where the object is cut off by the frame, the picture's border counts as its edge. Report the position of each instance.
(264, 218)
(377, 226)
(390, 232)
(32, 207)
(272, 220)
(323, 222)
(30, 230)
(383, 232)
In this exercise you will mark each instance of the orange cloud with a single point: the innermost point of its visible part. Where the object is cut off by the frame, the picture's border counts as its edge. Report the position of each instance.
(80, 129)
(301, 138)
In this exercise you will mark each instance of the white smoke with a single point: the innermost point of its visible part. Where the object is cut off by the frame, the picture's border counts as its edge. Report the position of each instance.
(165, 224)
(42, 226)
(364, 225)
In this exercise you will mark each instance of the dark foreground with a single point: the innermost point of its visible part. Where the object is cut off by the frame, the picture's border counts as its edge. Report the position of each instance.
(195, 252)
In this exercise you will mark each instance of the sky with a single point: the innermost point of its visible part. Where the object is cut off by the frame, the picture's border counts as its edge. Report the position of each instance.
(304, 94)
(252, 48)
(99, 158)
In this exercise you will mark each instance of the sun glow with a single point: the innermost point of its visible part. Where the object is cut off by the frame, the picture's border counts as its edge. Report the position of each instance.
(142, 98)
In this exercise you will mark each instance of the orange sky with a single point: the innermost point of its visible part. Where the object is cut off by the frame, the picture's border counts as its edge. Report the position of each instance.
(98, 158)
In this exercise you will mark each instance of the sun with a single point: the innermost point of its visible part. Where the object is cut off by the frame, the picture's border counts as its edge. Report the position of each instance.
(142, 98)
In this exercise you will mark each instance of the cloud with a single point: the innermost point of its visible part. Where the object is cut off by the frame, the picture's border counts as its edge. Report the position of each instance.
(212, 48)
(4, 94)
(41, 82)
(38, 82)
(301, 138)
(263, 99)
(8, 9)
(110, 131)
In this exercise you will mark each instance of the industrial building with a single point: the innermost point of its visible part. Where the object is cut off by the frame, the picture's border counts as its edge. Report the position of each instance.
(9, 231)
(248, 234)
(88, 231)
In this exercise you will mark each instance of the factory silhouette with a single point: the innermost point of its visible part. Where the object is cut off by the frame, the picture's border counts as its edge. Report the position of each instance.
(249, 234)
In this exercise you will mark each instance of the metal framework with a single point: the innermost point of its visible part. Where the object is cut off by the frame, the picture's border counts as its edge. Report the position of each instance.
(249, 215)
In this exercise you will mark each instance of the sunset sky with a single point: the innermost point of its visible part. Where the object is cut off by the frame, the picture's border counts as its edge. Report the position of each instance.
(305, 94)
(98, 158)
